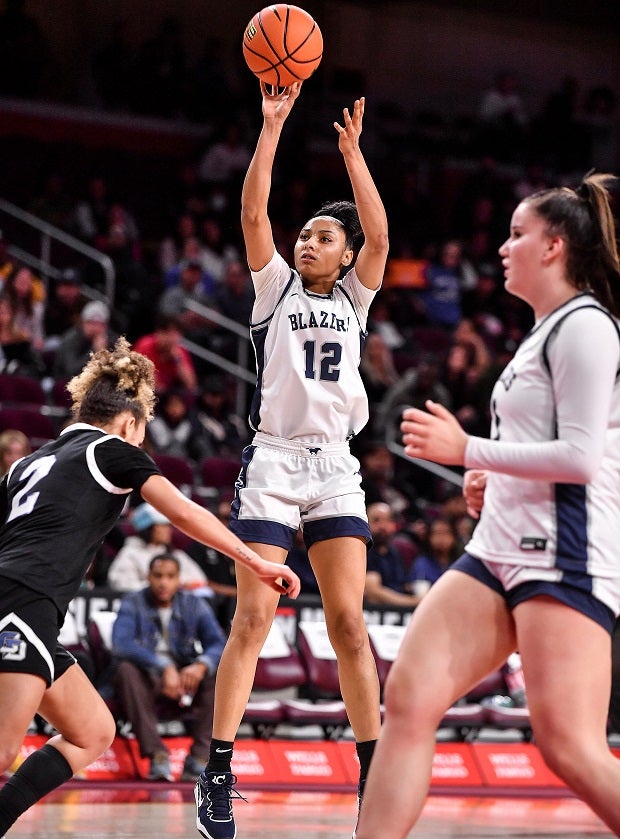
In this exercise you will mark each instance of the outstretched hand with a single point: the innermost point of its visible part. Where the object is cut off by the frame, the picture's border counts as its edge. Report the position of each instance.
(350, 132)
(278, 577)
(278, 102)
(434, 434)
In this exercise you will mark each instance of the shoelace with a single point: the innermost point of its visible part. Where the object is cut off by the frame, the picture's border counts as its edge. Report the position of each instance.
(218, 797)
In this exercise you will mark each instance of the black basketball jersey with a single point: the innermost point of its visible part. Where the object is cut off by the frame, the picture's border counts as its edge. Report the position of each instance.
(57, 504)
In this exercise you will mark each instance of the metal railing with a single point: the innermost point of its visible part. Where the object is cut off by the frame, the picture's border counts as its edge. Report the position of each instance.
(434, 468)
(43, 263)
(239, 368)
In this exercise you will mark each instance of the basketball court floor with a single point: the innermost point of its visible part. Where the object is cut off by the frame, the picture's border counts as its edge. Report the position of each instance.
(158, 811)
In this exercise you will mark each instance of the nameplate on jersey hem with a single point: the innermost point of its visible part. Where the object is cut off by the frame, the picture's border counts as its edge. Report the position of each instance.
(533, 543)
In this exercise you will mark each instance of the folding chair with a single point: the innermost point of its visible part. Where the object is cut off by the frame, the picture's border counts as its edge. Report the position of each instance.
(38, 427)
(325, 707)
(279, 667)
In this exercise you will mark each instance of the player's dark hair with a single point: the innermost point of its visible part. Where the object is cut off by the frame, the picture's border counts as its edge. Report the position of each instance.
(346, 213)
(583, 218)
(112, 382)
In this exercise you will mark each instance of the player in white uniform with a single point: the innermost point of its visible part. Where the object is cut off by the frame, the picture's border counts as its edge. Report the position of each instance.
(542, 570)
(308, 326)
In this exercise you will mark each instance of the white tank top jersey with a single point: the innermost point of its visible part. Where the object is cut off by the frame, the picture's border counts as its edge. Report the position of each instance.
(555, 440)
(308, 349)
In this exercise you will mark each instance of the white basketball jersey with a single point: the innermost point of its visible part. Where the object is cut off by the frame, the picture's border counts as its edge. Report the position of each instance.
(537, 511)
(308, 349)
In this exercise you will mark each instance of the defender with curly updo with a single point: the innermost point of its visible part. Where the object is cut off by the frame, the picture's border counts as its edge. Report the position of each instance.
(56, 506)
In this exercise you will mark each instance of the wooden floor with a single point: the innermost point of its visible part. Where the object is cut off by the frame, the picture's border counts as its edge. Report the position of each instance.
(160, 812)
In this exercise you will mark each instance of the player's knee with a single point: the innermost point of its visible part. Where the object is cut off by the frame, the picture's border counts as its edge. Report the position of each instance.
(410, 702)
(568, 758)
(108, 733)
(251, 627)
(101, 735)
(348, 635)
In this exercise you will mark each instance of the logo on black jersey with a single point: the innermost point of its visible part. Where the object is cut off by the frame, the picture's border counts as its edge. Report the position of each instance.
(12, 647)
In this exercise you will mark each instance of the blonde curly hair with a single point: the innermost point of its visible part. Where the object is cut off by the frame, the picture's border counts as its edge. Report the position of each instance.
(114, 381)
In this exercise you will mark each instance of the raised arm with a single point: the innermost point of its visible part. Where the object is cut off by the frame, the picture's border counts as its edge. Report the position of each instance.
(255, 222)
(203, 526)
(370, 263)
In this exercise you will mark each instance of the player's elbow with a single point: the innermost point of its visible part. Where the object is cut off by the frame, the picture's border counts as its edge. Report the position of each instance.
(378, 244)
(252, 215)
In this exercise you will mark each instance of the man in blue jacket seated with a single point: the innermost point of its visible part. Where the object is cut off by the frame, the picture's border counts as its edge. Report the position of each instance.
(167, 644)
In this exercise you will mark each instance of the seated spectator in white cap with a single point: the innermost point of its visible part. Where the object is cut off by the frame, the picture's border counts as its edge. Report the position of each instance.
(91, 334)
(130, 567)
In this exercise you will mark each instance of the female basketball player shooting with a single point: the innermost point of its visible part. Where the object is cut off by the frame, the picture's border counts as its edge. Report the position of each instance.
(542, 571)
(56, 505)
(307, 328)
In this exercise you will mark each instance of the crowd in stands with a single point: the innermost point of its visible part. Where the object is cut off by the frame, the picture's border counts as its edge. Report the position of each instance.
(442, 326)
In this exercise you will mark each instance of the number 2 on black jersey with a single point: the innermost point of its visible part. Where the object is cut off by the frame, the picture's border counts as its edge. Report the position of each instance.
(332, 354)
(24, 500)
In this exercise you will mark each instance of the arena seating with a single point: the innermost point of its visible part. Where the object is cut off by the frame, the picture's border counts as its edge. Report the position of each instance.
(219, 473)
(21, 390)
(37, 426)
(323, 706)
(385, 641)
(279, 667)
(178, 470)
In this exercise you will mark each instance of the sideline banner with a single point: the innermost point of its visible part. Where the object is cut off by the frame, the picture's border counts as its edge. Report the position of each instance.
(513, 765)
(325, 764)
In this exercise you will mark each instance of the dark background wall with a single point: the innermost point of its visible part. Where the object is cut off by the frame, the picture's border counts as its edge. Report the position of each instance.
(439, 53)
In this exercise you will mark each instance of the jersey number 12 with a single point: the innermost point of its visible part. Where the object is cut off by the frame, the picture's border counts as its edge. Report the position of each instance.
(332, 353)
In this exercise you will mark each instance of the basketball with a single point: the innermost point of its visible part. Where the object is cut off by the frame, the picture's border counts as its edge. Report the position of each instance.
(282, 44)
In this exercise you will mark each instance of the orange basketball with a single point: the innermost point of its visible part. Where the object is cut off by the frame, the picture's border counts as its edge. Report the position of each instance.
(282, 44)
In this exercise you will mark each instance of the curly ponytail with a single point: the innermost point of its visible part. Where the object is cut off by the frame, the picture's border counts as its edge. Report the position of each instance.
(114, 381)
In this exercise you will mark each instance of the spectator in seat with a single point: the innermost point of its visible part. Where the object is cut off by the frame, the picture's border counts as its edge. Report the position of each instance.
(413, 388)
(221, 432)
(216, 249)
(130, 567)
(6, 262)
(91, 213)
(442, 549)
(234, 296)
(155, 639)
(227, 159)
(93, 333)
(173, 363)
(172, 246)
(173, 430)
(389, 573)
(220, 571)
(17, 354)
(190, 289)
(381, 483)
(13, 445)
(442, 296)
(27, 295)
(64, 307)
(378, 374)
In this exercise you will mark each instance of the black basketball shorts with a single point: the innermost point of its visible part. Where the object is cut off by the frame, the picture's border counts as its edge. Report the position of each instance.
(29, 627)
